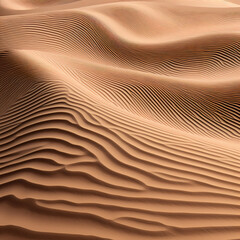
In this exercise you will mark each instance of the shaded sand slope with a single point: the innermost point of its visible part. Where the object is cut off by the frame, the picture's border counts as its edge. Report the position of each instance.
(16, 79)
(119, 120)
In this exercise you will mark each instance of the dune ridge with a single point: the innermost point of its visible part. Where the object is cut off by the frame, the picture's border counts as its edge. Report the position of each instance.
(119, 120)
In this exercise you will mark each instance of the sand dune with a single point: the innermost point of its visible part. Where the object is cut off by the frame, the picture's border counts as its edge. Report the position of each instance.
(119, 120)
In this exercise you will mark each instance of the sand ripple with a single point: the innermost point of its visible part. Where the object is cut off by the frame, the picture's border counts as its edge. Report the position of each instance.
(119, 120)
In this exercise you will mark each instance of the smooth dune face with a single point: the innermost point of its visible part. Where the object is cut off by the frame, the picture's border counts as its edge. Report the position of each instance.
(119, 120)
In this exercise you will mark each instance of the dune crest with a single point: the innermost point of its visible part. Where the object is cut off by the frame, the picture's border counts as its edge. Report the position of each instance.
(119, 120)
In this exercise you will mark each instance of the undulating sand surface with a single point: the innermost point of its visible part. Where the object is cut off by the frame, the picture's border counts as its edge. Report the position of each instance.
(119, 120)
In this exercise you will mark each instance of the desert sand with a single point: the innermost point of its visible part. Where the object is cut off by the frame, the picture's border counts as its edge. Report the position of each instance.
(119, 120)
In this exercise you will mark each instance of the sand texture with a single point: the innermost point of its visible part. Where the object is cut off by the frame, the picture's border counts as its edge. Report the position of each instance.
(119, 120)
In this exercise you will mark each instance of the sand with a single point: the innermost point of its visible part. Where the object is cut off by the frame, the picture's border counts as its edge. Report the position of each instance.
(119, 120)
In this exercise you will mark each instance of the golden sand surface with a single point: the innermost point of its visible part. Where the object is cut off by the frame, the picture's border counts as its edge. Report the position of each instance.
(119, 120)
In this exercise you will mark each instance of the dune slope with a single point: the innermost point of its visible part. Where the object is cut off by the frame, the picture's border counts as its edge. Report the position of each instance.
(119, 120)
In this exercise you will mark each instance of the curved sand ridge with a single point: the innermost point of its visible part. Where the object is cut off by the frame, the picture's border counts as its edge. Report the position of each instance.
(31, 4)
(120, 120)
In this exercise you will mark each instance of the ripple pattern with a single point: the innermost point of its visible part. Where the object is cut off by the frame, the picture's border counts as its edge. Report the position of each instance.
(119, 120)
